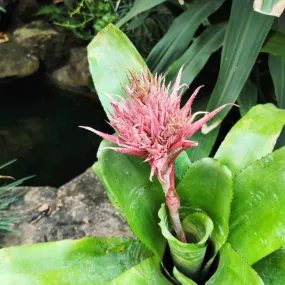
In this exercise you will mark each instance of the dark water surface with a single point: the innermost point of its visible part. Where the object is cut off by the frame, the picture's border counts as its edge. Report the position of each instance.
(39, 128)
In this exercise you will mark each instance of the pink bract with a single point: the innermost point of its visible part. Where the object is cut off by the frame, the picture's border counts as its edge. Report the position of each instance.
(151, 123)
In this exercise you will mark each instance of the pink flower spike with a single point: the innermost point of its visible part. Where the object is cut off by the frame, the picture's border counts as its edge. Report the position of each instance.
(198, 124)
(150, 122)
(111, 138)
(187, 107)
(126, 151)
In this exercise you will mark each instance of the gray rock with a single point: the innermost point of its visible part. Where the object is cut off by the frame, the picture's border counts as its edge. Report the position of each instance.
(81, 208)
(15, 61)
(44, 42)
(74, 75)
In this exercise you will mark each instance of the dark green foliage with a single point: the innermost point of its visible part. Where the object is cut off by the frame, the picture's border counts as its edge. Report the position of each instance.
(83, 17)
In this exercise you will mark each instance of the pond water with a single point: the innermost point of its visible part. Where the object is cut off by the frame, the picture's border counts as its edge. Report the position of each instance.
(39, 128)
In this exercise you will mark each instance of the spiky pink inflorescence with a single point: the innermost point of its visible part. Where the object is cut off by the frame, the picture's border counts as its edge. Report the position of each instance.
(150, 123)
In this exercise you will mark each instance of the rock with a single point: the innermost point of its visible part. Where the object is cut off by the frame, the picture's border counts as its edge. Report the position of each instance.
(44, 42)
(27, 9)
(15, 61)
(81, 209)
(74, 75)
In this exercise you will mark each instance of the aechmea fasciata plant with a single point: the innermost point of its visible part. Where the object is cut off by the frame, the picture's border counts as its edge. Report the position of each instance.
(151, 123)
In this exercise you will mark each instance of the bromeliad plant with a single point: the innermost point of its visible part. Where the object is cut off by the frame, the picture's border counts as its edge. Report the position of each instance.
(231, 206)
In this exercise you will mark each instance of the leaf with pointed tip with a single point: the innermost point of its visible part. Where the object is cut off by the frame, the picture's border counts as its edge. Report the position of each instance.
(258, 208)
(79, 262)
(111, 56)
(207, 187)
(126, 180)
(148, 272)
(247, 98)
(252, 137)
(138, 7)
(176, 40)
(188, 257)
(194, 59)
(233, 270)
(272, 268)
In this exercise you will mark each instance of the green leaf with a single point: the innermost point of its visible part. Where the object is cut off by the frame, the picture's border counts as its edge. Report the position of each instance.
(207, 187)
(197, 54)
(78, 262)
(182, 278)
(274, 44)
(126, 180)
(269, 7)
(233, 270)
(247, 98)
(258, 208)
(272, 268)
(206, 142)
(182, 163)
(146, 273)
(188, 257)
(111, 56)
(245, 34)
(277, 71)
(138, 7)
(2, 9)
(252, 137)
(176, 40)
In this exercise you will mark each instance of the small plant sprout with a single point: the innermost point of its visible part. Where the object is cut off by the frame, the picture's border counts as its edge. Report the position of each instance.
(151, 123)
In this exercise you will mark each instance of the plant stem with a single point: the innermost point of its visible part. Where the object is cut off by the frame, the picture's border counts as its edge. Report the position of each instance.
(173, 204)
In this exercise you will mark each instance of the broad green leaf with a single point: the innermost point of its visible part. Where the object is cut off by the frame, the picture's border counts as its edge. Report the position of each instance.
(245, 34)
(111, 56)
(247, 98)
(207, 187)
(147, 272)
(176, 40)
(138, 7)
(194, 59)
(272, 268)
(188, 257)
(252, 137)
(277, 71)
(258, 208)
(126, 180)
(233, 270)
(182, 163)
(2, 9)
(274, 44)
(68, 262)
(269, 7)
(182, 278)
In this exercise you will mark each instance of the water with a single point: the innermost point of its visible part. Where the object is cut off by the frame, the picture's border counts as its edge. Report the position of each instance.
(39, 127)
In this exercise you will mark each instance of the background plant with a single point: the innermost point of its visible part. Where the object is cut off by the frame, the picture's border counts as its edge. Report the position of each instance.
(83, 17)
(8, 195)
